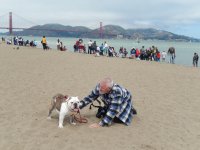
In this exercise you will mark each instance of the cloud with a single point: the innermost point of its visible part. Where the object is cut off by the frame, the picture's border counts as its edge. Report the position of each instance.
(163, 14)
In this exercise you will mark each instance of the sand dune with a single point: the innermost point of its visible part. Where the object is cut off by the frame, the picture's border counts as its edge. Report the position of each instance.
(166, 97)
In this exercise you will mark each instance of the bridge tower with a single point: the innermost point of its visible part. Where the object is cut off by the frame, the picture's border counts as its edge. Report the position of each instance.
(10, 23)
(101, 31)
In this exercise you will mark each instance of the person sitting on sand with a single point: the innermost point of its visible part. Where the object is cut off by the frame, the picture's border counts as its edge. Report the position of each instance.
(124, 53)
(132, 53)
(117, 99)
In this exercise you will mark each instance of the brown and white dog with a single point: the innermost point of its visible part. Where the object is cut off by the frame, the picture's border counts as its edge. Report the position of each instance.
(64, 105)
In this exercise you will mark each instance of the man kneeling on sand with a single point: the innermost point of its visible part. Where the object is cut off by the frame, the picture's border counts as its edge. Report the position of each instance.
(117, 99)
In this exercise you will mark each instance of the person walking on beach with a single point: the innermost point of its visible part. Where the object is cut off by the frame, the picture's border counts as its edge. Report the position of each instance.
(117, 99)
(195, 60)
(44, 43)
(171, 52)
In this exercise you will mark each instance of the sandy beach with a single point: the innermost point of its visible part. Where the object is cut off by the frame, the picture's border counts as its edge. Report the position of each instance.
(166, 97)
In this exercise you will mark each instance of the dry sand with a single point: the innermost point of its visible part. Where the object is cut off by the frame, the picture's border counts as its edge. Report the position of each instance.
(166, 97)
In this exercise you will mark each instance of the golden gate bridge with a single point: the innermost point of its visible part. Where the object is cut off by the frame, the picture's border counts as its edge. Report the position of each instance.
(7, 23)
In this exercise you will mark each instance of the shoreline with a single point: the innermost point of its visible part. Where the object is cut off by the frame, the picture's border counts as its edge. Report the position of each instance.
(71, 51)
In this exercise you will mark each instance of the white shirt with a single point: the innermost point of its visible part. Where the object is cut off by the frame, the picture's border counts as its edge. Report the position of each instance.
(105, 45)
(163, 54)
(98, 48)
(89, 43)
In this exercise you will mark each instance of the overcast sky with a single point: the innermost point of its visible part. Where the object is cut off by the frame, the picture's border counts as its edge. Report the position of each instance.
(177, 16)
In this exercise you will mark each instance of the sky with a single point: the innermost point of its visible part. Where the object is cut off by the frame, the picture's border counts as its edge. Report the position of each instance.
(177, 16)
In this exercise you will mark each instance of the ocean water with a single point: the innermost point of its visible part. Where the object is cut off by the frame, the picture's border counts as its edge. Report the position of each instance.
(184, 50)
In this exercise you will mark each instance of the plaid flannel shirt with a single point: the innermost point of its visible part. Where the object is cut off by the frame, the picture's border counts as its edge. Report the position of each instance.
(118, 101)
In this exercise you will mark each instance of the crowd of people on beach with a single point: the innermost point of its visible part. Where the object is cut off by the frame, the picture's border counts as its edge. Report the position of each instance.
(149, 54)
(20, 41)
(152, 53)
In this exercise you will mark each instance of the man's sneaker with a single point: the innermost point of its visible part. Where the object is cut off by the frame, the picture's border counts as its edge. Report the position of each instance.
(134, 111)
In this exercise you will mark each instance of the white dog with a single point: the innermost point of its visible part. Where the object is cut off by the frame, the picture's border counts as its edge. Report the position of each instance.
(64, 105)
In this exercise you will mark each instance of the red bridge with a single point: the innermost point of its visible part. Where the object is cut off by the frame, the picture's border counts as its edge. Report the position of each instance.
(6, 23)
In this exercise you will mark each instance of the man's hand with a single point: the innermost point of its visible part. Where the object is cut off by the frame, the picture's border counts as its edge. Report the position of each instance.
(80, 105)
(94, 125)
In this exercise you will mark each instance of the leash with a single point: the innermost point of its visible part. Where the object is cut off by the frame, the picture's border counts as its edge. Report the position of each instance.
(79, 119)
(95, 105)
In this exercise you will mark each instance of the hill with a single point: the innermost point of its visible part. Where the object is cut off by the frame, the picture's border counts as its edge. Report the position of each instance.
(54, 30)
(109, 31)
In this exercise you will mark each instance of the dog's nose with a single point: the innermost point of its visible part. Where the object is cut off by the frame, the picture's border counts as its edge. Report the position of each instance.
(75, 105)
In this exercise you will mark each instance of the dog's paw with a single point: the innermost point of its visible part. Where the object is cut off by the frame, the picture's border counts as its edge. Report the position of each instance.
(74, 123)
(60, 126)
(49, 118)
